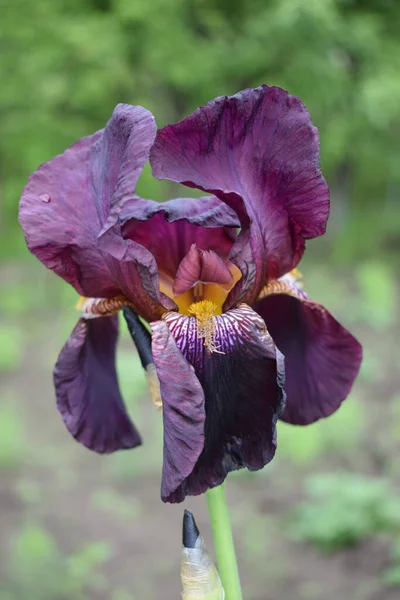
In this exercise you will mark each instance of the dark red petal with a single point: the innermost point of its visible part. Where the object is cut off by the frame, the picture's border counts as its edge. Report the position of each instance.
(259, 152)
(87, 391)
(242, 383)
(183, 412)
(67, 201)
(200, 265)
(322, 358)
(172, 227)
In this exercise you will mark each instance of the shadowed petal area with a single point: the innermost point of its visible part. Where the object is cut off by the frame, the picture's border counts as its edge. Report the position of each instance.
(242, 384)
(183, 412)
(67, 201)
(168, 230)
(135, 271)
(322, 358)
(259, 152)
(87, 391)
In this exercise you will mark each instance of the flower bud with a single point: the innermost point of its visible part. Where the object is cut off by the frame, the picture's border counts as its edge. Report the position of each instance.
(200, 578)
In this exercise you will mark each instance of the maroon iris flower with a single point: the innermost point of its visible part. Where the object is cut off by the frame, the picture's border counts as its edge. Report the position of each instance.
(213, 276)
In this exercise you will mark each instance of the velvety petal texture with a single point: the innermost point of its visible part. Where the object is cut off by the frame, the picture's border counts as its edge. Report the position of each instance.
(322, 358)
(87, 391)
(259, 152)
(183, 412)
(169, 230)
(242, 382)
(67, 202)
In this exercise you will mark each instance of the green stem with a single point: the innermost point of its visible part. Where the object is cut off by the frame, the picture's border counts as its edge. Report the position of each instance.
(223, 541)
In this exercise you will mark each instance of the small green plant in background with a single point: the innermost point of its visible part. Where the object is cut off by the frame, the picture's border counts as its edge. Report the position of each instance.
(82, 569)
(124, 466)
(12, 434)
(122, 594)
(38, 570)
(109, 501)
(342, 510)
(11, 347)
(339, 434)
(132, 380)
(391, 575)
(14, 302)
(29, 492)
(395, 416)
(378, 290)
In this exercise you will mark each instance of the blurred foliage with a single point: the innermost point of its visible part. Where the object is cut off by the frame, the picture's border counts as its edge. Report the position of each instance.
(66, 64)
(340, 434)
(10, 347)
(378, 290)
(12, 433)
(38, 570)
(391, 576)
(345, 509)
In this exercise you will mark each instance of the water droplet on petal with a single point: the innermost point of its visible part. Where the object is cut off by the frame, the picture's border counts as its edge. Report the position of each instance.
(45, 198)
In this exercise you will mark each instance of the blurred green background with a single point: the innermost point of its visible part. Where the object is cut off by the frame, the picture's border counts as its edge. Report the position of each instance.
(323, 520)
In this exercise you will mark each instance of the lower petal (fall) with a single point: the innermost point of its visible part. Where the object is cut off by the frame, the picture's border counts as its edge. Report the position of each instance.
(322, 358)
(242, 380)
(183, 412)
(87, 391)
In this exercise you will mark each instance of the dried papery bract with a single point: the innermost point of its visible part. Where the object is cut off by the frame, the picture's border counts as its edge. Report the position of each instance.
(200, 578)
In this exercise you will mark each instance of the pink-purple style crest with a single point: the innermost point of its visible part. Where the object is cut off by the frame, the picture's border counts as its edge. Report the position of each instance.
(215, 277)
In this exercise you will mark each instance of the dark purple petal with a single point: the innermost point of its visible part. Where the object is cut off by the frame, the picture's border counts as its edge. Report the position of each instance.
(183, 412)
(134, 270)
(242, 383)
(87, 391)
(124, 151)
(207, 211)
(67, 201)
(170, 229)
(322, 358)
(259, 152)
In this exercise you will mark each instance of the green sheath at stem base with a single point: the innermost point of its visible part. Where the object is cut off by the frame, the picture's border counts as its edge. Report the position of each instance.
(223, 541)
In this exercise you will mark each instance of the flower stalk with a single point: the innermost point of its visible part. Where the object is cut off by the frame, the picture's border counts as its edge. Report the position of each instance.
(223, 542)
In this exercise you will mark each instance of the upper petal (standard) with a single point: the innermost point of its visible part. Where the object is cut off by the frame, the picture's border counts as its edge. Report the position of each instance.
(67, 202)
(259, 152)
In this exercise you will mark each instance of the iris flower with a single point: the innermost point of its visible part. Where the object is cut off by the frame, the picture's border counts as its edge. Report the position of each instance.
(214, 276)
